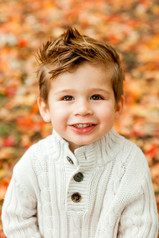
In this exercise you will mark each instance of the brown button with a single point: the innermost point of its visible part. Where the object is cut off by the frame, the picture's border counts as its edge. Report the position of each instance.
(76, 197)
(69, 160)
(78, 177)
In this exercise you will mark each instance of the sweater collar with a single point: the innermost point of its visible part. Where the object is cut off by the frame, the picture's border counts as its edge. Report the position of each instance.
(97, 153)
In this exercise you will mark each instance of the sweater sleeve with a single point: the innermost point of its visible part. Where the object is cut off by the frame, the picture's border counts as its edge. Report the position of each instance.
(19, 213)
(140, 219)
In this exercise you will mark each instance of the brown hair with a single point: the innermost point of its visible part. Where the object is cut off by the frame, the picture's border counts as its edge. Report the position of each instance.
(70, 50)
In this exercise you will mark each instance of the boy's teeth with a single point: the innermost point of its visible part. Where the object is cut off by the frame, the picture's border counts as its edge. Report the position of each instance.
(83, 125)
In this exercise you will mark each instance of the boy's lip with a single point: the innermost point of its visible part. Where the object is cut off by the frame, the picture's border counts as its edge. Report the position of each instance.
(83, 124)
(83, 128)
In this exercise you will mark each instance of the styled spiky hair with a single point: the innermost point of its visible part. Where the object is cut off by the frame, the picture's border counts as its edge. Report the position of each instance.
(70, 50)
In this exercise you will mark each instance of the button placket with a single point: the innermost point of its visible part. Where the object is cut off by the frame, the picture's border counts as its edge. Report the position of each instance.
(76, 191)
(76, 197)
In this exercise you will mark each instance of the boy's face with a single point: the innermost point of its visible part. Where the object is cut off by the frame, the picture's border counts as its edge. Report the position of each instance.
(81, 105)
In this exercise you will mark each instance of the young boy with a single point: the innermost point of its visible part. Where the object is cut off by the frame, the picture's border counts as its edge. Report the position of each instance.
(84, 180)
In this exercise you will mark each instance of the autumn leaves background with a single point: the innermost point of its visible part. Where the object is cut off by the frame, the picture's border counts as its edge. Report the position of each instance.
(131, 26)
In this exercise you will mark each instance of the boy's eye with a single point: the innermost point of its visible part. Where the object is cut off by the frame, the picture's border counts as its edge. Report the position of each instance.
(96, 97)
(67, 98)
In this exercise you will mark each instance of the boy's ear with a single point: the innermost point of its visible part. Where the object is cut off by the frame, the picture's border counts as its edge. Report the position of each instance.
(44, 111)
(119, 107)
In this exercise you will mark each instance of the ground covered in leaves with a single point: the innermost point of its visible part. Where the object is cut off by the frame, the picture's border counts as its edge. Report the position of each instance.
(131, 26)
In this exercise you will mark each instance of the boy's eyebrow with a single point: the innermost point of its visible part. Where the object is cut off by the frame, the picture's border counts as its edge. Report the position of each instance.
(101, 90)
(64, 91)
(91, 90)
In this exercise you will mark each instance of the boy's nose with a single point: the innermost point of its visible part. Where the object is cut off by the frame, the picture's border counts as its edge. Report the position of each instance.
(83, 108)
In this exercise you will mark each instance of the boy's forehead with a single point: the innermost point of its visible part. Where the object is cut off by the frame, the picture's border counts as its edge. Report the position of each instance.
(83, 68)
(88, 76)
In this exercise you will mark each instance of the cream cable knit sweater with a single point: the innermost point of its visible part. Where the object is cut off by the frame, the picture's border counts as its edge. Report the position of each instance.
(113, 194)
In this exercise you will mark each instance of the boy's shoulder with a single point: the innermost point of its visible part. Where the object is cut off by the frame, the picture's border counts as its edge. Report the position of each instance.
(129, 152)
(37, 155)
(129, 146)
(123, 144)
(41, 147)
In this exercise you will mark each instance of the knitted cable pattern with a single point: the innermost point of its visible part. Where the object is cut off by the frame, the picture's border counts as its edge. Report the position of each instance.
(114, 198)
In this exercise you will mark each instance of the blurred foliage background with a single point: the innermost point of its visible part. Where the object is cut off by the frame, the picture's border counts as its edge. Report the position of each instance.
(130, 26)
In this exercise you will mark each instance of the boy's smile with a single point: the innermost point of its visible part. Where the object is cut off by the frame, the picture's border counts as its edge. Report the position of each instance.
(81, 104)
(83, 128)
